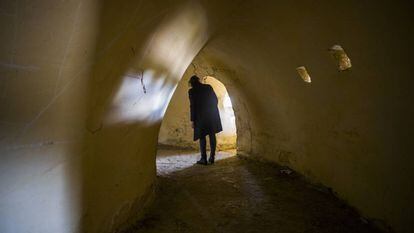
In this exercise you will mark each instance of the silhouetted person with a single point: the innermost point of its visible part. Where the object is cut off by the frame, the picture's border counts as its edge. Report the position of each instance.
(205, 117)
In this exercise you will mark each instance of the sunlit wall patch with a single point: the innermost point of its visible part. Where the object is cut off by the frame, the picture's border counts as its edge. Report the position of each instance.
(303, 73)
(341, 58)
(132, 104)
(151, 78)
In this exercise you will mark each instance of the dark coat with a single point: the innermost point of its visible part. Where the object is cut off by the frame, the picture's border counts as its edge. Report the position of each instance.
(204, 111)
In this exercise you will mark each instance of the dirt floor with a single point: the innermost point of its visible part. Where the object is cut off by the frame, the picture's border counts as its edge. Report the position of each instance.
(239, 195)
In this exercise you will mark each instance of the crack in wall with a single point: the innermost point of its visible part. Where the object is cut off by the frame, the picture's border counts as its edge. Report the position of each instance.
(38, 145)
(15, 66)
(76, 76)
(141, 78)
(142, 82)
(93, 131)
(66, 51)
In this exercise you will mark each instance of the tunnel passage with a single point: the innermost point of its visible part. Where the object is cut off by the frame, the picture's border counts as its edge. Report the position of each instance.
(85, 83)
(176, 129)
(176, 148)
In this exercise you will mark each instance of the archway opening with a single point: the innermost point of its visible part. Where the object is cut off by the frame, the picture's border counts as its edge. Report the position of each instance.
(176, 148)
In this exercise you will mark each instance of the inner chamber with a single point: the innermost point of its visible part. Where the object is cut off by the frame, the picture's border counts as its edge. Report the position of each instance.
(176, 148)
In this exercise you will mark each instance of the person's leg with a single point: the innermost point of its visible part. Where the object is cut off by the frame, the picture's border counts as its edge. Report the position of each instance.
(203, 146)
(203, 151)
(213, 143)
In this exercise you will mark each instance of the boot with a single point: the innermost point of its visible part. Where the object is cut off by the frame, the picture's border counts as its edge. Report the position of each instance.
(203, 160)
(211, 159)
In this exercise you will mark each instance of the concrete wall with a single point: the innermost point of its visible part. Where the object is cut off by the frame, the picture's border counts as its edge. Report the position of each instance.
(84, 86)
(47, 51)
(348, 130)
(176, 126)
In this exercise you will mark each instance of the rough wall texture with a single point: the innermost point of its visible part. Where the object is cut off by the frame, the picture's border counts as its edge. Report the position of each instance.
(176, 127)
(349, 130)
(84, 86)
(46, 55)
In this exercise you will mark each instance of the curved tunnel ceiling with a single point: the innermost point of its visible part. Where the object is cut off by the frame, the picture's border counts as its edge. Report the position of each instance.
(97, 96)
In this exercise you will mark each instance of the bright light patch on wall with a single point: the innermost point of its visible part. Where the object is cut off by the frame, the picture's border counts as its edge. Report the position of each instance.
(228, 119)
(131, 103)
(147, 87)
(227, 115)
(303, 73)
(227, 101)
(341, 58)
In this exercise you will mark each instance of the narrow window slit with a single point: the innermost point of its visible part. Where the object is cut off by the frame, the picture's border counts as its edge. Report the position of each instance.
(341, 58)
(303, 73)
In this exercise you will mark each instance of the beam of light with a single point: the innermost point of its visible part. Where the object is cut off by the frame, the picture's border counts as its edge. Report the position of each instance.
(134, 103)
(228, 119)
(227, 102)
(148, 85)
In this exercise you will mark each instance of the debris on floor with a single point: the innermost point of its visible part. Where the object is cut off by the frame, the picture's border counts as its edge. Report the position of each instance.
(285, 171)
(238, 195)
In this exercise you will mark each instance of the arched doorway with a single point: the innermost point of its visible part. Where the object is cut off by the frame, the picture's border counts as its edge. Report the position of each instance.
(176, 148)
